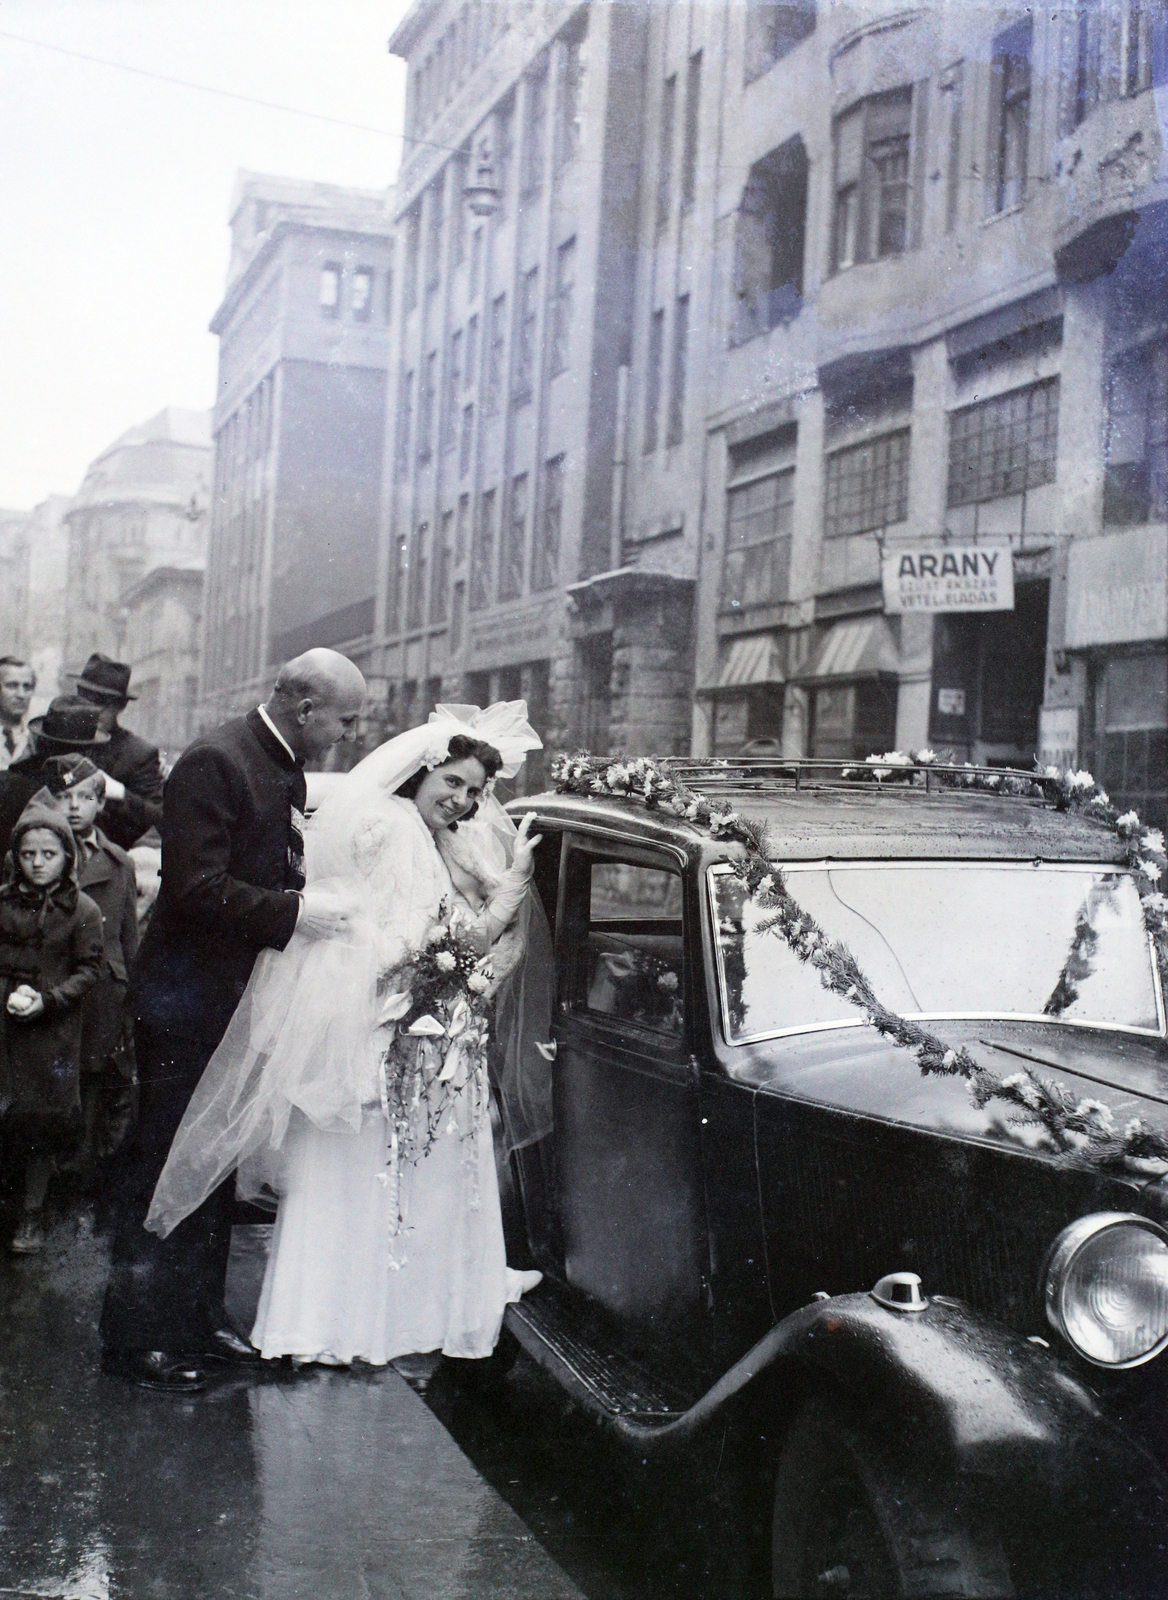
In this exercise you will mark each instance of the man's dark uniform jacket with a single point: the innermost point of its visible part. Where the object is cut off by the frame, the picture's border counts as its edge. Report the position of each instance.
(230, 855)
(135, 763)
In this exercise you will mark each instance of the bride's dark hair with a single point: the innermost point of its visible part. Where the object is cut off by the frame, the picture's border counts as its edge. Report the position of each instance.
(460, 748)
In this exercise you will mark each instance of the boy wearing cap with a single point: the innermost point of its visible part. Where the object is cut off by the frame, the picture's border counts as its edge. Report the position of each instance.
(106, 874)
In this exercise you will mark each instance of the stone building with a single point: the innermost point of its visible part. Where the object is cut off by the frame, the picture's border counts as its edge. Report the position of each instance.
(142, 504)
(160, 638)
(34, 549)
(933, 252)
(298, 424)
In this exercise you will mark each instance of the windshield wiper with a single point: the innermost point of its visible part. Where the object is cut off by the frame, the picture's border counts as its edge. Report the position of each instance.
(1061, 1066)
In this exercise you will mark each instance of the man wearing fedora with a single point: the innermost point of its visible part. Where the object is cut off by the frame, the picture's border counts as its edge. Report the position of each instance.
(133, 771)
(69, 726)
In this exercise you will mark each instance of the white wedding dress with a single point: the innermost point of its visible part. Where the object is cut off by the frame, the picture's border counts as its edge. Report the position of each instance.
(292, 1098)
(340, 1286)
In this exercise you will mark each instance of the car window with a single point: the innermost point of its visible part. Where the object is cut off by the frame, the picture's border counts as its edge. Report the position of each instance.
(1048, 943)
(631, 966)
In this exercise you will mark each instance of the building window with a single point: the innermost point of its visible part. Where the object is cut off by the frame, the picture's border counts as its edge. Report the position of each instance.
(450, 412)
(496, 354)
(689, 153)
(434, 201)
(1010, 123)
(404, 426)
(476, 264)
(461, 528)
(867, 486)
(665, 155)
(504, 148)
(1120, 49)
(482, 555)
(953, 87)
(1135, 481)
(417, 576)
(535, 138)
(757, 561)
(770, 242)
(387, 297)
(676, 428)
(525, 344)
(426, 407)
(400, 574)
(772, 31)
(465, 438)
(472, 350)
(545, 556)
(568, 108)
(1004, 446)
(413, 242)
(440, 592)
(457, 609)
(1129, 706)
(562, 312)
(872, 179)
(514, 543)
(330, 289)
(653, 380)
(361, 294)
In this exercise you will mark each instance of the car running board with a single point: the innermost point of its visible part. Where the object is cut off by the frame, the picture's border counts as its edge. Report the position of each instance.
(603, 1381)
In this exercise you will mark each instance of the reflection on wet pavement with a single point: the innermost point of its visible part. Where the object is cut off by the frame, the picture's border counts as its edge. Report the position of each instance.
(329, 1485)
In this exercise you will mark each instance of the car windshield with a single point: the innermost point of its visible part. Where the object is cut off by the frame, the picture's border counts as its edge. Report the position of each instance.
(1047, 943)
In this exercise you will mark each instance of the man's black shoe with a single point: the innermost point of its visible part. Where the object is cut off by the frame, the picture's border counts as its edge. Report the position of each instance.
(225, 1345)
(155, 1369)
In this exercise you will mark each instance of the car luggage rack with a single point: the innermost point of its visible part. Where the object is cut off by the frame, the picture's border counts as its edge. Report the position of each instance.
(761, 772)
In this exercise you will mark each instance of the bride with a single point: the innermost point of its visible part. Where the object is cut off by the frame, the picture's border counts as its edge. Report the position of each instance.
(389, 1234)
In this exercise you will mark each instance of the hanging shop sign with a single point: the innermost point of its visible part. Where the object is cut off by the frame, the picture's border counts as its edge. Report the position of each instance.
(931, 576)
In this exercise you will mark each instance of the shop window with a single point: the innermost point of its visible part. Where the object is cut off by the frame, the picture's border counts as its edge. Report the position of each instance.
(361, 294)
(770, 240)
(772, 31)
(330, 289)
(482, 555)
(757, 561)
(665, 153)
(514, 543)
(562, 309)
(852, 721)
(545, 556)
(872, 187)
(988, 678)
(1010, 116)
(1131, 733)
(1135, 482)
(1004, 446)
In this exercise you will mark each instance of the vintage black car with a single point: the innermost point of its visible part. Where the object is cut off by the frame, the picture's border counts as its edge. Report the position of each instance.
(935, 1340)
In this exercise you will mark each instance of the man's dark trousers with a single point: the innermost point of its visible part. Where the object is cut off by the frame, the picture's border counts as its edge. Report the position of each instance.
(166, 1294)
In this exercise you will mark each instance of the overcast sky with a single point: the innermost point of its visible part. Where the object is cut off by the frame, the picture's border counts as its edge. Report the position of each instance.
(115, 189)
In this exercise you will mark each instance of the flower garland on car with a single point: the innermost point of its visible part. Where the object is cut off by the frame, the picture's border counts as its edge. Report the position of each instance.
(435, 1056)
(1071, 1123)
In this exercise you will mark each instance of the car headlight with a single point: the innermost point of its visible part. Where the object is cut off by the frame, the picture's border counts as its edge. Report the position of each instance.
(1107, 1288)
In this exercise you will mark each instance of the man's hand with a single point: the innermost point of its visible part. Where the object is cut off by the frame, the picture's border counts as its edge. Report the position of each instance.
(523, 855)
(323, 914)
(25, 1003)
(115, 789)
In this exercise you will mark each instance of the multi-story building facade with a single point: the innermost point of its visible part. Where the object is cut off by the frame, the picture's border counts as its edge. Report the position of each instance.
(299, 424)
(161, 636)
(936, 247)
(34, 554)
(142, 504)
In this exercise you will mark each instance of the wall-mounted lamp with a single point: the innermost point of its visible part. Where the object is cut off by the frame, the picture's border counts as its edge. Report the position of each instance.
(482, 195)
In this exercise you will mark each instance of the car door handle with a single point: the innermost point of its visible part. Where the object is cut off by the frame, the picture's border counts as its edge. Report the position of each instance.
(547, 1051)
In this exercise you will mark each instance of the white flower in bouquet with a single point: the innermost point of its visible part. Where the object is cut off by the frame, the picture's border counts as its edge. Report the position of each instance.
(444, 961)
(478, 983)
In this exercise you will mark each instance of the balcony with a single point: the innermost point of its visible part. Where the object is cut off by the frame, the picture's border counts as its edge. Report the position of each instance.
(1106, 172)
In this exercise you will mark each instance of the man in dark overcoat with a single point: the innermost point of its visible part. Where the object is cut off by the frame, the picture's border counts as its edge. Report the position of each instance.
(68, 726)
(232, 885)
(132, 766)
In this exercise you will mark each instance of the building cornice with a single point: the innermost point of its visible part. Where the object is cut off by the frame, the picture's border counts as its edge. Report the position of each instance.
(283, 229)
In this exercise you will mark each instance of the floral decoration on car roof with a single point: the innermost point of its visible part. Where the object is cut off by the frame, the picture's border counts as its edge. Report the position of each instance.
(1072, 1124)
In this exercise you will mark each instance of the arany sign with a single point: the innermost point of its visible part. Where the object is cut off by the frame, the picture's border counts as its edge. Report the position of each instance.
(932, 576)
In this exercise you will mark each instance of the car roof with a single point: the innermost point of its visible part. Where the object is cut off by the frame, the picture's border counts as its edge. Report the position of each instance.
(859, 823)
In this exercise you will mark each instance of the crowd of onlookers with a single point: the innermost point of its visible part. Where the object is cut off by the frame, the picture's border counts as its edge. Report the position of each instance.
(80, 808)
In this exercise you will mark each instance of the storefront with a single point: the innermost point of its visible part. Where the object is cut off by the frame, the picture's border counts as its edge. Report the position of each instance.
(850, 681)
(988, 677)
(748, 697)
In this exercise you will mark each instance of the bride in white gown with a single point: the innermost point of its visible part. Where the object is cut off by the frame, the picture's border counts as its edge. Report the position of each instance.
(375, 1256)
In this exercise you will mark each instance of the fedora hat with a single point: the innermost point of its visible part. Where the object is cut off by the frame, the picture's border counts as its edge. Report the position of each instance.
(69, 724)
(104, 677)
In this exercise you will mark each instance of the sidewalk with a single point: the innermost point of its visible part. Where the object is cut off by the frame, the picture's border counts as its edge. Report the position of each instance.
(328, 1485)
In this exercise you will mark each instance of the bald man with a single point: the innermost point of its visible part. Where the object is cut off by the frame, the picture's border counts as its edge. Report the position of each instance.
(232, 885)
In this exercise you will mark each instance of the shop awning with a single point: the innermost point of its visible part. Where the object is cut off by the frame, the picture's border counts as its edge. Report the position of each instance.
(861, 647)
(755, 658)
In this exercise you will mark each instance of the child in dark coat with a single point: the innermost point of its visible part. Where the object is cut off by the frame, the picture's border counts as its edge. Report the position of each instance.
(51, 955)
(105, 873)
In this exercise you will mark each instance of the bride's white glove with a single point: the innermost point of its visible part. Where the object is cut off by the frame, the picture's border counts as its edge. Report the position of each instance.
(507, 895)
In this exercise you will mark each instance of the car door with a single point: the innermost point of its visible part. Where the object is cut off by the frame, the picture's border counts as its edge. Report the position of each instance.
(630, 1199)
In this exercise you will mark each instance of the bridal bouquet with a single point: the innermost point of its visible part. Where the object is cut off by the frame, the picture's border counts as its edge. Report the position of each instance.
(435, 1059)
